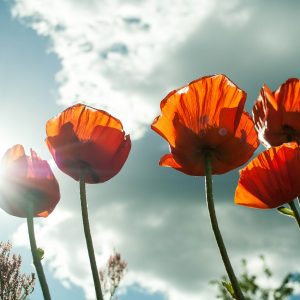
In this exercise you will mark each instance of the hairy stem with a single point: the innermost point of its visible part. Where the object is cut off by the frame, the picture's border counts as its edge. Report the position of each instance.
(88, 237)
(215, 227)
(35, 256)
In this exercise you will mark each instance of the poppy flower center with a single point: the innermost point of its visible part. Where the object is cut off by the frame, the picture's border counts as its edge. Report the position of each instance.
(290, 133)
(88, 171)
(206, 150)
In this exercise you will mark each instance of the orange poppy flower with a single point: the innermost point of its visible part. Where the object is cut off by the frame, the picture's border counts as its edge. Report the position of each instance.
(276, 114)
(271, 179)
(82, 137)
(206, 115)
(27, 179)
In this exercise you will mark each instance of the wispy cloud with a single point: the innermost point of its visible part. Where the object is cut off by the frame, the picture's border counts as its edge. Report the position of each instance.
(124, 56)
(109, 49)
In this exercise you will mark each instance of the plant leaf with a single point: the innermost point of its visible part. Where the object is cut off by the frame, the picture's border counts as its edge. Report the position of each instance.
(286, 211)
(41, 253)
(228, 286)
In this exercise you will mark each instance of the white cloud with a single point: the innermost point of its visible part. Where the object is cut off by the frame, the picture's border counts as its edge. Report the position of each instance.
(108, 49)
(233, 14)
(121, 55)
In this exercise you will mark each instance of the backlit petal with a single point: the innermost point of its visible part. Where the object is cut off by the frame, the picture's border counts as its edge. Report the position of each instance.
(84, 119)
(84, 138)
(201, 103)
(276, 114)
(168, 161)
(206, 116)
(271, 179)
(27, 179)
(244, 143)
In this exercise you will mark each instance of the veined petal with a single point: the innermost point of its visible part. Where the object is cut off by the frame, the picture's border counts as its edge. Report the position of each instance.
(83, 119)
(276, 114)
(206, 116)
(271, 179)
(238, 149)
(107, 139)
(288, 95)
(105, 158)
(200, 105)
(165, 128)
(168, 161)
(82, 138)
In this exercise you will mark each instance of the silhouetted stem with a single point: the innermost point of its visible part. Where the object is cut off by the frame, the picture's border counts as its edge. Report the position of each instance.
(295, 211)
(215, 227)
(88, 237)
(35, 256)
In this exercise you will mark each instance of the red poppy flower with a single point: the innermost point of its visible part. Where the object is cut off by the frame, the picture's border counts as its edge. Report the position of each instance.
(271, 179)
(206, 115)
(276, 114)
(27, 179)
(82, 137)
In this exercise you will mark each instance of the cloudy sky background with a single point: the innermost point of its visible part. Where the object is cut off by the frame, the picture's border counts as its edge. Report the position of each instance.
(125, 56)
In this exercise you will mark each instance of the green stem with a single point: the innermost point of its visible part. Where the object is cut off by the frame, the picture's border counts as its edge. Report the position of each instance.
(35, 256)
(215, 227)
(295, 211)
(88, 237)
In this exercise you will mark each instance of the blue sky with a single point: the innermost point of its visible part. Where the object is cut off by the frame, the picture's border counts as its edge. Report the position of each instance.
(125, 60)
(27, 81)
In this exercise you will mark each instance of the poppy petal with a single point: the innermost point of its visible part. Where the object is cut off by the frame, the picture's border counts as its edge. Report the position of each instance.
(107, 139)
(271, 179)
(245, 141)
(168, 161)
(276, 114)
(27, 179)
(111, 148)
(82, 137)
(120, 157)
(206, 116)
(65, 150)
(288, 95)
(83, 118)
(200, 105)
(165, 128)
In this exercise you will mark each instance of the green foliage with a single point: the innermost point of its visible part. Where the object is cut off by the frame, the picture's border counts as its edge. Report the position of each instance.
(41, 253)
(286, 211)
(252, 290)
(228, 287)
